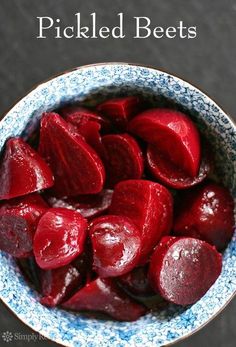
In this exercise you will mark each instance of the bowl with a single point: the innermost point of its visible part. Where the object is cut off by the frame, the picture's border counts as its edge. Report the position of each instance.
(91, 84)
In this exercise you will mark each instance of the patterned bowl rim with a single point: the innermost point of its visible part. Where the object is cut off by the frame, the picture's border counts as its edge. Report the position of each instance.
(150, 67)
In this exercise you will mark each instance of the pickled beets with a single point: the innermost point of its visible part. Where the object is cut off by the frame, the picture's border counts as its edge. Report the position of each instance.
(91, 209)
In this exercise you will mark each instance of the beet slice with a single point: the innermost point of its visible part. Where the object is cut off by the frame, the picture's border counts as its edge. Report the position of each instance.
(120, 110)
(123, 158)
(171, 175)
(84, 262)
(76, 166)
(105, 296)
(78, 116)
(22, 170)
(173, 133)
(18, 222)
(30, 271)
(149, 205)
(136, 282)
(59, 284)
(206, 213)
(116, 243)
(183, 269)
(59, 238)
(89, 206)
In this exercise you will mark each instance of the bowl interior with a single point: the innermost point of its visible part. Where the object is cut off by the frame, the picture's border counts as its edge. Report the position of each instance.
(90, 85)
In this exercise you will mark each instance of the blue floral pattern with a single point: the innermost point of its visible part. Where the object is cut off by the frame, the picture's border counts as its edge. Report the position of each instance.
(91, 84)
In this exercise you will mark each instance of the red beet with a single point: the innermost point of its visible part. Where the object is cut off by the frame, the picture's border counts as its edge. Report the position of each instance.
(18, 222)
(123, 158)
(120, 110)
(136, 282)
(22, 170)
(173, 133)
(104, 295)
(171, 175)
(79, 116)
(59, 284)
(149, 205)
(59, 238)
(76, 166)
(206, 213)
(116, 243)
(183, 269)
(89, 206)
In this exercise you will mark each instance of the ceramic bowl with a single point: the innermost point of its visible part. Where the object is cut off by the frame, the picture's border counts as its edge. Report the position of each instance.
(92, 84)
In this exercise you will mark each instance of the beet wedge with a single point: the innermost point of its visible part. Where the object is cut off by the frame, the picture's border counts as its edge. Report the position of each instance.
(22, 170)
(79, 115)
(120, 110)
(173, 133)
(171, 175)
(18, 221)
(206, 213)
(103, 295)
(149, 205)
(116, 243)
(89, 206)
(59, 238)
(76, 166)
(122, 157)
(182, 270)
(59, 284)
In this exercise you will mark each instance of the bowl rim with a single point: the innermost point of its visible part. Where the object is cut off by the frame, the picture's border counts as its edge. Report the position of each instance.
(150, 67)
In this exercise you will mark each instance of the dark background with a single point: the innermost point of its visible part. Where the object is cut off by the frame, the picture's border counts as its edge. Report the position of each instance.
(207, 61)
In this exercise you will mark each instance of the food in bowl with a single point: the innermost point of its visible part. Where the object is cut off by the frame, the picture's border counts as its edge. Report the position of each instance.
(114, 202)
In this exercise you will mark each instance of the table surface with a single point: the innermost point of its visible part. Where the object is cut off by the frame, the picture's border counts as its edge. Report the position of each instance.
(207, 61)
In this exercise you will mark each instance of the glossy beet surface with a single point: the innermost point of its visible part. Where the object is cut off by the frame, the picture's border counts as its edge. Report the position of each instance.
(78, 116)
(22, 170)
(89, 206)
(59, 284)
(116, 243)
(174, 135)
(123, 158)
(183, 269)
(172, 176)
(136, 282)
(18, 222)
(120, 110)
(104, 295)
(206, 213)
(149, 205)
(76, 166)
(59, 238)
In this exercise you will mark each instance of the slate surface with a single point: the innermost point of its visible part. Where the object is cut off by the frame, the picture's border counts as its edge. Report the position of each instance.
(207, 61)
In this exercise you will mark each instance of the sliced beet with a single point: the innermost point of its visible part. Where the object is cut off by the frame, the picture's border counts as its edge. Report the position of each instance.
(22, 170)
(89, 206)
(76, 166)
(59, 238)
(18, 222)
(123, 158)
(84, 262)
(149, 205)
(31, 271)
(171, 175)
(103, 295)
(116, 243)
(120, 110)
(59, 284)
(173, 133)
(136, 282)
(206, 213)
(90, 131)
(183, 269)
(78, 116)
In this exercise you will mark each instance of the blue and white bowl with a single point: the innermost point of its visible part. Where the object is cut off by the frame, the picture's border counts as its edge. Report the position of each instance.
(92, 84)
